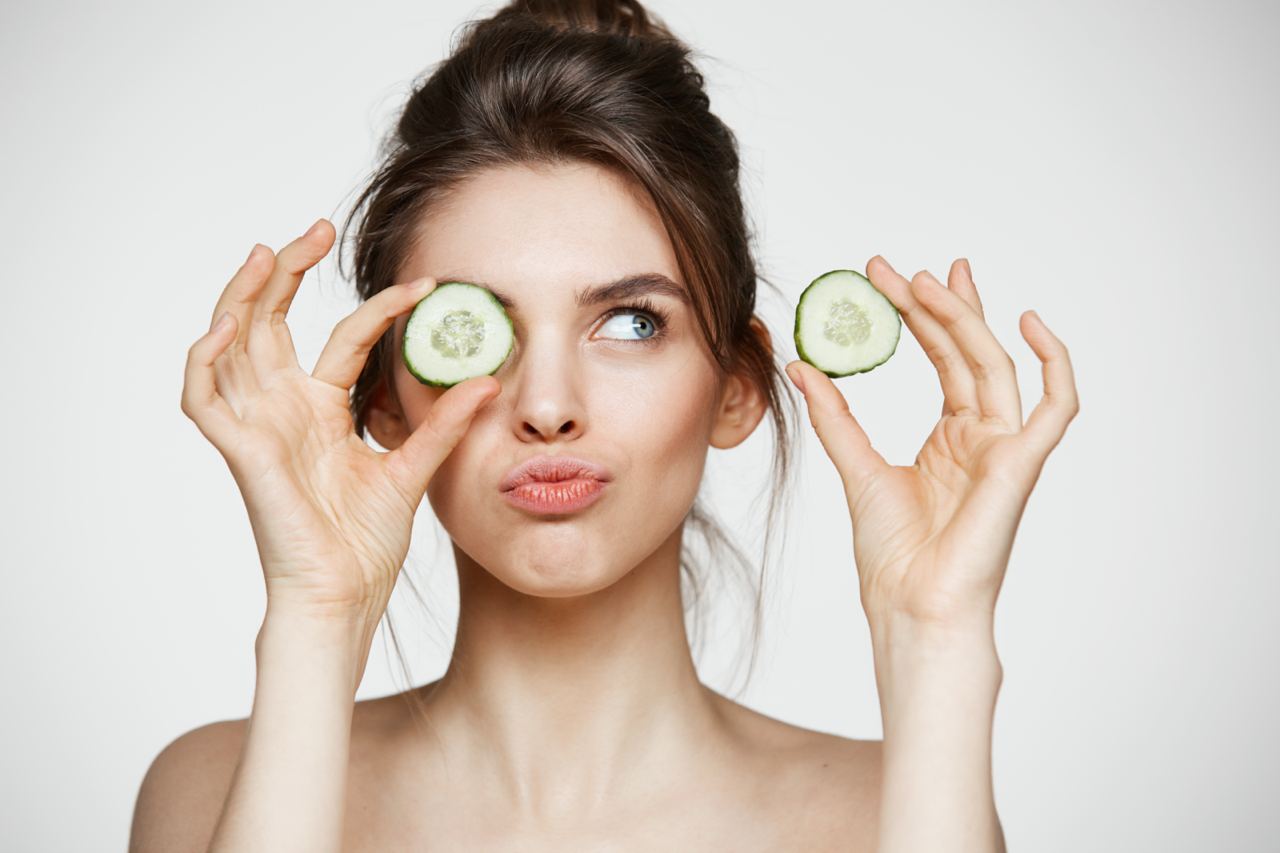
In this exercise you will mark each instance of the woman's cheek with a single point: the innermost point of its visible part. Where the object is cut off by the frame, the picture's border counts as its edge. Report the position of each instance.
(661, 422)
(460, 486)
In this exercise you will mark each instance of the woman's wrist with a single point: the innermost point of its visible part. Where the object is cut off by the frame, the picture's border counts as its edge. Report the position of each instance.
(333, 637)
(938, 683)
(290, 786)
(960, 653)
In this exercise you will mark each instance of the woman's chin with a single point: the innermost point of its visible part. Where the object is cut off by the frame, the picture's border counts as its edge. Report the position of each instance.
(558, 566)
(555, 583)
(566, 577)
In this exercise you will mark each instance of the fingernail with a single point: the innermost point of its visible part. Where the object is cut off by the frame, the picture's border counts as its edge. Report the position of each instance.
(312, 230)
(222, 323)
(794, 373)
(252, 252)
(968, 270)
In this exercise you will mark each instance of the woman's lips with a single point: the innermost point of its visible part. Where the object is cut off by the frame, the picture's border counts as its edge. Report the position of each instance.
(547, 498)
(551, 485)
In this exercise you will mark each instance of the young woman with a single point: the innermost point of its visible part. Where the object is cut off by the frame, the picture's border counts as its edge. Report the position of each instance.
(564, 156)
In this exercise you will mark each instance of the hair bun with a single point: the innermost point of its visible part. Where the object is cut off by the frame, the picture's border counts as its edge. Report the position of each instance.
(616, 17)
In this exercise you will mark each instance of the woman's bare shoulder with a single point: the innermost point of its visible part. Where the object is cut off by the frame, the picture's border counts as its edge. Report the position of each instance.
(796, 743)
(181, 795)
(831, 782)
(183, 790)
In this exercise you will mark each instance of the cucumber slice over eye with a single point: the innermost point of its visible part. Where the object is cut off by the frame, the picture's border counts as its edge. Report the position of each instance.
(455, 332)
(844, 325)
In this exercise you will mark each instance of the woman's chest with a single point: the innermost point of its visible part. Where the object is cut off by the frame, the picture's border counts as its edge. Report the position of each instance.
(428, 818)
(706, 833)
(823, 797)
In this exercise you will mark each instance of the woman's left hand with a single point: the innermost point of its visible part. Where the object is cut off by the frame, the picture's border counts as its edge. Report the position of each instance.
(932, 540)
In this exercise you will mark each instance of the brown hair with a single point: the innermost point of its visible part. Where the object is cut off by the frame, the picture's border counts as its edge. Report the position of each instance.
(553, 81)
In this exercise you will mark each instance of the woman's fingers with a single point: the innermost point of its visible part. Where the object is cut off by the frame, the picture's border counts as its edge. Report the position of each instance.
(270, 346)
(238, 294)
(201, 401)
(958, 391)
(242, 291)
(960, 280)
(234, 375)
(1060, 404)
(991, 367)
(839, 431)
(412, 465)
(348, 348)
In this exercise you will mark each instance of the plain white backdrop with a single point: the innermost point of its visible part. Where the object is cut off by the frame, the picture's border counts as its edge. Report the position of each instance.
(1111, 165)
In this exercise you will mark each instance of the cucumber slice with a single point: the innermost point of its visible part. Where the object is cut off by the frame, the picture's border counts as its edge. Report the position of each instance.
(844, 325)
(457, 331)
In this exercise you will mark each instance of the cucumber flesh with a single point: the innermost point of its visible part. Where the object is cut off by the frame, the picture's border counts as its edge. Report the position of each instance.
(455, 332)
(844, 325)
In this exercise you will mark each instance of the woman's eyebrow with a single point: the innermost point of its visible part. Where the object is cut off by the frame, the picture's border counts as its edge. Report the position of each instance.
(627, 287)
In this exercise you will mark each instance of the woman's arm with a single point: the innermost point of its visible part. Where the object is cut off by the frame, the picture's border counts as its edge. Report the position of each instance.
(331, 518)
(937, 703)
(289, 790)
(931, 544)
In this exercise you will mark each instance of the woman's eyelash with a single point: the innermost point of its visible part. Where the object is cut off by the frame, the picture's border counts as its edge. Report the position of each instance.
(644, 305)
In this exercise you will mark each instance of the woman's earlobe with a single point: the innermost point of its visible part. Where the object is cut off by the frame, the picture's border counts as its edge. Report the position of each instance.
(742, 404)
(741, 408)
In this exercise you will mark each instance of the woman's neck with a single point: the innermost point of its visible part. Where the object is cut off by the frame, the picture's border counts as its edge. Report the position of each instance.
(578, 702)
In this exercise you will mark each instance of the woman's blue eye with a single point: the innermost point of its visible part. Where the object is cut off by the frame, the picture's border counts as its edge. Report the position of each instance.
(640, 323)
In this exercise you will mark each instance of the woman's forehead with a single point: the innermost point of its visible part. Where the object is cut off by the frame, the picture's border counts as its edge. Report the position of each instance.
(566, 230)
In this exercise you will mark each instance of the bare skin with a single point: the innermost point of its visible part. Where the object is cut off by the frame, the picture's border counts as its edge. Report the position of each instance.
(763, 785)
(571, 715)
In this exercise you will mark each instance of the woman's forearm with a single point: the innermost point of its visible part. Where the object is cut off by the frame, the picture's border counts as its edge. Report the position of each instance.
(289, 790)
(937, 701)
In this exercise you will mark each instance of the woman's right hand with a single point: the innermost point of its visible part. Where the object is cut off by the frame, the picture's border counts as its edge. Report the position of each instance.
(332, 517)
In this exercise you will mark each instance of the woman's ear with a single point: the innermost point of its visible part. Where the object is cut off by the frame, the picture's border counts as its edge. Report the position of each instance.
(742, 404)
(384, 419)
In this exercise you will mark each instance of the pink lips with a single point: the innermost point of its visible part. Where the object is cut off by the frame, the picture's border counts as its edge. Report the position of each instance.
(554, 484)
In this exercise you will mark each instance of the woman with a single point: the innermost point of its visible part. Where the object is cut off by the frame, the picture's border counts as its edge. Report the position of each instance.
(579, 175)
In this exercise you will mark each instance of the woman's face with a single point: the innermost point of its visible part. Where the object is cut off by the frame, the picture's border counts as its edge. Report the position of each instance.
(578, 381)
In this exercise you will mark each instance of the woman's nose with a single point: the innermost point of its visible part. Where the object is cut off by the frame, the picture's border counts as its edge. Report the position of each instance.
(548, 407)
(537, 428)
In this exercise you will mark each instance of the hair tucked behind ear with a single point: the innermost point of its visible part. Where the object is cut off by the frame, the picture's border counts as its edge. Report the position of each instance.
(556, 81)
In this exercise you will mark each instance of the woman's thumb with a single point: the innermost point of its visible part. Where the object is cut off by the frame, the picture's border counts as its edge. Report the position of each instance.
(414, 462)
(839, 431)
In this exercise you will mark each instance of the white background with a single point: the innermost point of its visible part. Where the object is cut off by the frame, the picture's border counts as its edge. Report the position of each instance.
(1103, 163)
